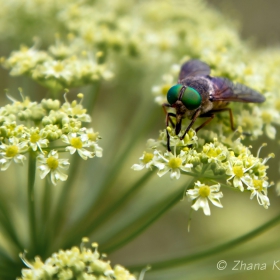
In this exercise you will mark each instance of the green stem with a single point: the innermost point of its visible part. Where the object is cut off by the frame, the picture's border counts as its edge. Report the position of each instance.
(55, 147)
(91, 98)
(143, 126)
(31, 199)
(207, 253)
(45, 235)
(198, 175)
(117, 205)
(60, 212)
(8, 227)
(144, 221)
(46, 200)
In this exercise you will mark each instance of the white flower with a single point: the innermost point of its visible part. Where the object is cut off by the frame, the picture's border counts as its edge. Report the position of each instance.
(12, 152)
(146, 161)
(53, 165)
(93, 137)
(58, 69)
(238, 173)
(78, 143)
(201, 193)
(169, 162)
(36, 140)
(37, 269)
(258, 188)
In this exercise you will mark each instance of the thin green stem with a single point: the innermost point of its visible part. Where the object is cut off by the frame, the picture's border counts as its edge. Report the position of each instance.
(117, 205)
(109, 180)
(45, 235)
(126, 234)
(46, 200)
(58, 219)
(8, 227)
(207, 253)
(198, 175)
(92, 97)
(31, 200)
(54, 147)
(142, 125)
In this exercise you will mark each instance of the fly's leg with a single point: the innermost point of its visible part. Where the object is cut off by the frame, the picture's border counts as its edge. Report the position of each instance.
(168, 114)
(231, 121)
(211, 116)
(195, 116)
(230, 116)
(168, 120)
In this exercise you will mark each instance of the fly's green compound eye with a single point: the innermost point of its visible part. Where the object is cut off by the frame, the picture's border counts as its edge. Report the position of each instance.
(173, 93)
(191, 98)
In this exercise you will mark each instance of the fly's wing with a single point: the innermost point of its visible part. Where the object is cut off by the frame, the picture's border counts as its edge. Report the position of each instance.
(225, 90)
(193, 68)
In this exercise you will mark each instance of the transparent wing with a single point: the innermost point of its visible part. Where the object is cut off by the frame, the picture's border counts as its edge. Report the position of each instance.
(193, 68)
(225, 90)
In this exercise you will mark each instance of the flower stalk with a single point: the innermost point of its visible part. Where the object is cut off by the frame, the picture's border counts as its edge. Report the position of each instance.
(31, 199)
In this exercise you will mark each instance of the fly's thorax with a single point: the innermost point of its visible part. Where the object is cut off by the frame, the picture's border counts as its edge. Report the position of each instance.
(205, 88)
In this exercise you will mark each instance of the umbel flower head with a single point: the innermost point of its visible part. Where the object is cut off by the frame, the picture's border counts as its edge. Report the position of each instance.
(40, 129)
(230, 163)
(74, 68)
(76, 263)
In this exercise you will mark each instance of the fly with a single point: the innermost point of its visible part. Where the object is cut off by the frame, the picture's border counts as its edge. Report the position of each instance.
(197, 94)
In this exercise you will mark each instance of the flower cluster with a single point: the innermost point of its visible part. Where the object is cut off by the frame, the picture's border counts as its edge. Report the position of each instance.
(97, 32)
(222, 164)
(78, 263)
(30, 18)
(36, 128)
(62, 66)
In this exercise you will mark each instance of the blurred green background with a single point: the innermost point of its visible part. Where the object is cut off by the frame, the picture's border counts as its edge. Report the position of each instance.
(258, 22)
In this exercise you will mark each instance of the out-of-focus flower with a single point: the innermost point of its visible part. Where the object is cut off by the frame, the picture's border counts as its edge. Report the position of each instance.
(12, 152)
(77, 263)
